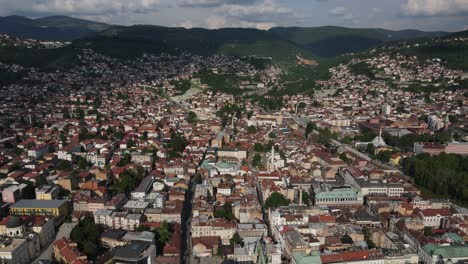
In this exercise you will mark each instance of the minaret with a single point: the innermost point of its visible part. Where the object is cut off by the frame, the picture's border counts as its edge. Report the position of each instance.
(272, 158)
(380, 136)
(30, 118)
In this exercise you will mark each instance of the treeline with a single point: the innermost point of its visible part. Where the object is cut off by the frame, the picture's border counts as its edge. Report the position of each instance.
(444, 174)
(406, 142)
(226, 83)
(362, 68)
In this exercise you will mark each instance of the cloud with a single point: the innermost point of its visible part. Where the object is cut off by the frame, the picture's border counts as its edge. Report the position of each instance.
(266, 11)
(79, 7)
(337, 11)
(257, 25)
(215, 3)
(214, 22)
(342, 13)
(435, 7)
(186, 24)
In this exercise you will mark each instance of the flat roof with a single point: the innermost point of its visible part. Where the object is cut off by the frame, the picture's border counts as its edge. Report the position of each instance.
(30, 203)
(133, 250)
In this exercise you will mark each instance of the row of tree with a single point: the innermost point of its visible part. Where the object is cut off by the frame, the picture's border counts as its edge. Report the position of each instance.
(444, 174)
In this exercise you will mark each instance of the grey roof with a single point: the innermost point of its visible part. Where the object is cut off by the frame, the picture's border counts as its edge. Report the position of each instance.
(14, 222)
(132, 251)
(28, 203)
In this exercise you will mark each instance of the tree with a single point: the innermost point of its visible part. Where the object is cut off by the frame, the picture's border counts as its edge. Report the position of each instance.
(427, 231)
(251, 129)
(370, 149)
(224, 212)
(198, 178)
(276, 200)
(309, 128)
(385, 155)
(178, 142)
(306, 197)
(257, 160)
(86, 235)
(163, 233)
(236, 240)
(192, 118)
(347, 140)
(144, 136)
(444, 175)
(130, 143)
(343, 157)
(367, 237)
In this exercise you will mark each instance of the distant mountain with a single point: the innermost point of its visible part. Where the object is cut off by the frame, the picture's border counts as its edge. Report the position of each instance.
(330, 41)
(282, 43)
(279, 43)
(230, 41)
(50, 28)
(72, 23)
(459, 34)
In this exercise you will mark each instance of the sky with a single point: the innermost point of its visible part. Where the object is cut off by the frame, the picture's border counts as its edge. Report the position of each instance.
(428, 15)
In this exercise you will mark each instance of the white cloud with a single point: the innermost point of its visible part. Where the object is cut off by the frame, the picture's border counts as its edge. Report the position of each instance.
(214, 3)
(267, 9)
(342, 13)
(337, 11)
(79, 7)
(214, 22)
(257, 25)
(186, 24)
(435, 7)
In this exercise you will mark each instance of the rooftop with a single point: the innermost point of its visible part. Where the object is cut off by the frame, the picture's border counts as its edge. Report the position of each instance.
(28, 203)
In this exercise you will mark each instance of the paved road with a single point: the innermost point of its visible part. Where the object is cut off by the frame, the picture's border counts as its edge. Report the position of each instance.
(64, 232)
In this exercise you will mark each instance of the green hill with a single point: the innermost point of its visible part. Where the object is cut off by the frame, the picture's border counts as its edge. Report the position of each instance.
(229, 41)
(65, 22)
(330, 41)
(49, 28)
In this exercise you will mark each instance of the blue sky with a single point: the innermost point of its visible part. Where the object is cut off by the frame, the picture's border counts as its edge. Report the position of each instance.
(434, 15)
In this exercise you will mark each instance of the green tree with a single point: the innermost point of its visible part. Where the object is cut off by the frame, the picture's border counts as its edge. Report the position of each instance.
(347, 140)
(224, 212)
(192, 117)
(257, 160)
(343, 157)
(236, 240)
(86, 234)
(306, 197)
(309, 128)
(251, 129)
(427, 231)
(370, 149)
(276, 200)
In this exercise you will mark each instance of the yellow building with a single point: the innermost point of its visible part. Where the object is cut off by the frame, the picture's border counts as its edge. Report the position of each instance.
(56, 208)
(395, 159)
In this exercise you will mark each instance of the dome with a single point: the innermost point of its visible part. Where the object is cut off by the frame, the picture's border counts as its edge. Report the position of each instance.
(14, 221)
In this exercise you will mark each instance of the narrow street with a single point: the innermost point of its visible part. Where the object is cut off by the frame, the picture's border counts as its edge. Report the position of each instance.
(185, 254)
(63, 232)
